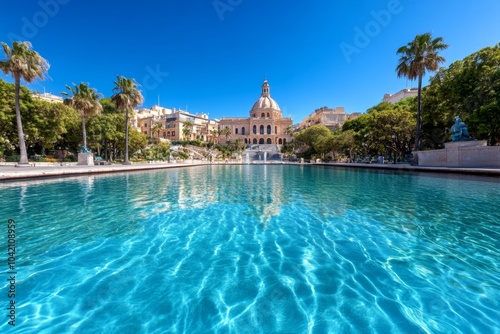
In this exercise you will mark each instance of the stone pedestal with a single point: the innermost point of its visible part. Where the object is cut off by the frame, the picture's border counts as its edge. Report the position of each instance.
(85, 159)
(461, 154)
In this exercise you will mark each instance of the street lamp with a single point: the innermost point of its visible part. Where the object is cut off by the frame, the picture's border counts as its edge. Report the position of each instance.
(394, 139)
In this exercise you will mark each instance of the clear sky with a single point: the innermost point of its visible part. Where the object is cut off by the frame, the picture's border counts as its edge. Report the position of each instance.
(212, 56)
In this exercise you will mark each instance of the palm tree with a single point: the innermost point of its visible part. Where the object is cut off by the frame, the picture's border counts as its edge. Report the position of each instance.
(215, 134)
(187, 129)
(289, 130)
(23, 63)
(226, 132)
(86, 101)
(126, 97)
(417, 57)
(156, 127)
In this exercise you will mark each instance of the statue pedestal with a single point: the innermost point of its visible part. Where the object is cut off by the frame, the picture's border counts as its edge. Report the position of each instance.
(85, 159)
(473, 153)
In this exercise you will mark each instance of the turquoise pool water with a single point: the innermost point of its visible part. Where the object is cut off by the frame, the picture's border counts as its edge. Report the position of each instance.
(254, 249)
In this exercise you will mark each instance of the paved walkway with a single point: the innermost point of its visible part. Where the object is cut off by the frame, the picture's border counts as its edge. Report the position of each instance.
(10, 172)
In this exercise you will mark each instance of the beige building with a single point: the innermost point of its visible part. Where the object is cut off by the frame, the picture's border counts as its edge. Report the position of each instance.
(331, 118)
(265, 125)
(172, 124)
(402, 94)
(48, 97)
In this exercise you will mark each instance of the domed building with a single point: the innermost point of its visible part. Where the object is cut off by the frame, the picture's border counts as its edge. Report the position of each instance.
(265, 125)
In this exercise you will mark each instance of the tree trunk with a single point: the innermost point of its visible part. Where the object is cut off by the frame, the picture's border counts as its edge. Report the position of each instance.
(23, 161)
(84, 132)
(125, 161)
(419, 117)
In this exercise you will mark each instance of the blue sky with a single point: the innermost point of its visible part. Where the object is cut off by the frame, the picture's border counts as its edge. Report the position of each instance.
(212, 56)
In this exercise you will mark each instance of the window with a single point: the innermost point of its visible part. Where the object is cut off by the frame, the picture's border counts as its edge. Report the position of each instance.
(280, 141)
(261, 130)
(173, 133)
(261, 141)
(253, 115)
(284, 141)
(145, 125)
(255, 141)
(268, 129)
(164, 134)
(246, 141)
(269, 140)
(276, 130)
(255, 130)
(263, 115)
(168, 133)
(243, 130)
(268, 115)
(145, 132)
(236, 131)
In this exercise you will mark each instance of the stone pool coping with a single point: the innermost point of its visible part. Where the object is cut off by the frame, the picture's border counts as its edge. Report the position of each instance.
(409, 168)
(11, 173)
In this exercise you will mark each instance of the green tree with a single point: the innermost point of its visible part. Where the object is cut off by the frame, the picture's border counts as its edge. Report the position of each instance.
(316, 140)
(226, 132)
(157, 128)
(22, 63)
(215, 134)
(187, 129)
(417, 57)
(469, 88)
(86, 102)
(393, 128)
(127, 97)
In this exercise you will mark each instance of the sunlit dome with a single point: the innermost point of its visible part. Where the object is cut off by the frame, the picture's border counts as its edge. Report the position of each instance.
(265, 101)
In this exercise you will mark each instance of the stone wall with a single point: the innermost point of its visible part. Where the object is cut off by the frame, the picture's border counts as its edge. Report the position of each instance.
(461, 154)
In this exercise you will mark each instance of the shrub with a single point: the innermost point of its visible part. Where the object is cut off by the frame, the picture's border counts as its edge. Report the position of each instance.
(69, 158)
(51, 160)
(13, 158)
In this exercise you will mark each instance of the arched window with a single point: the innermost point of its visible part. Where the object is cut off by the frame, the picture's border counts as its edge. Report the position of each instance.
(268, 129)
(269, 141)
(268, 115)
(284, 140)
(164, 134)
(280, 141)
(261, 130)
(255, 140)
(255, 130)
(253, 115)
(275, 130)
(236, 131)
(245, 140)
(243, 130)
(168, 133)
(261, 141)
(263, 115)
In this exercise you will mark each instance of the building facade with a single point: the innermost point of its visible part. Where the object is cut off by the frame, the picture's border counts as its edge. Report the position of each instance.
(173, 122)
(266, 124)
(402, 94)
(331, 118)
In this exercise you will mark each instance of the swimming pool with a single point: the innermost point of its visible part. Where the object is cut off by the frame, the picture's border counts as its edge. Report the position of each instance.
(254, 249)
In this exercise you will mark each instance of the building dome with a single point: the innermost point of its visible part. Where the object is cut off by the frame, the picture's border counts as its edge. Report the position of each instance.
(265, 101)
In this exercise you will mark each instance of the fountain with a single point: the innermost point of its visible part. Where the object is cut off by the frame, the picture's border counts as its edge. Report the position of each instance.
(265, 154)
(247, 158)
